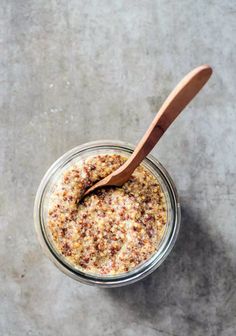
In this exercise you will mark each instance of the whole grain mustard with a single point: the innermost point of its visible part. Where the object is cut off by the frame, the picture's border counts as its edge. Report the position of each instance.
(112, 230)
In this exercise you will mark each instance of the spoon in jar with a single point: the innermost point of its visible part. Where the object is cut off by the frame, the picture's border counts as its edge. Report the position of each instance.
(181, 96)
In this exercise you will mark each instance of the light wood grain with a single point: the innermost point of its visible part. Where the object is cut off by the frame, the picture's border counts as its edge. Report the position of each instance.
(181, 96)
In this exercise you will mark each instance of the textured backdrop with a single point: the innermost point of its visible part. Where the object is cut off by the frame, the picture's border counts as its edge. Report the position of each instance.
(75, 71)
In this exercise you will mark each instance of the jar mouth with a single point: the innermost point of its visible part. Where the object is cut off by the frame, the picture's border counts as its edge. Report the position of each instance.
(166, 243)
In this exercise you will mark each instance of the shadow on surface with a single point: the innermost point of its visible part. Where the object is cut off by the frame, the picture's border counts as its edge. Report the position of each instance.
(191, 292)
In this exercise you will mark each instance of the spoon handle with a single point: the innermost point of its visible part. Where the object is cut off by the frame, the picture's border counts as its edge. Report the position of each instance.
(181, 96)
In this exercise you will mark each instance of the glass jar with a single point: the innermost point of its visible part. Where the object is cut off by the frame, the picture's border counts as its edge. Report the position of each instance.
(41, 208)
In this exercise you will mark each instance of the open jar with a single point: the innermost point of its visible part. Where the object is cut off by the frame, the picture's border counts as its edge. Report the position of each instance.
(41, 209)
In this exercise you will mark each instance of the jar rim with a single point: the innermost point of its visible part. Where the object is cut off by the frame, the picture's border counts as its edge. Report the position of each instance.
(140, 271)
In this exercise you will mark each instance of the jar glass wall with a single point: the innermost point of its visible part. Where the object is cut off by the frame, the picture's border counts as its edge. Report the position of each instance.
(41, 210)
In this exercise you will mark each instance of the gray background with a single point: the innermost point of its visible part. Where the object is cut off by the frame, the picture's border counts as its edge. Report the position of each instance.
(75, 71)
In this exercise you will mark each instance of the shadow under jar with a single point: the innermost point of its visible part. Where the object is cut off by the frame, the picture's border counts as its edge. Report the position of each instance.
(44, 234)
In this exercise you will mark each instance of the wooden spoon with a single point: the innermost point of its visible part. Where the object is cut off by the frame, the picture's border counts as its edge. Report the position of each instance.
(184, 92)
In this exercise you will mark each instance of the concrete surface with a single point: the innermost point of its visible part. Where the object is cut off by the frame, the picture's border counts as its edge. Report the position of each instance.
(74, 71)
